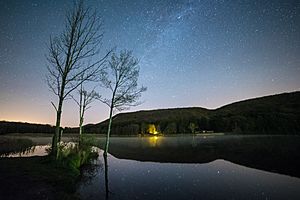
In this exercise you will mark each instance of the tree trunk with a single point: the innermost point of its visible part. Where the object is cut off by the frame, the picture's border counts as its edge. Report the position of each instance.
(80, 126)
(57, 130)
(60, 134)
(108, 132)
(80, 130)
(81, 111)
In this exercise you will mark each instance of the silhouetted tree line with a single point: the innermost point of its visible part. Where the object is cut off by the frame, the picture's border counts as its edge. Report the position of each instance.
(276, 114)
(262, 124)
(20, 127)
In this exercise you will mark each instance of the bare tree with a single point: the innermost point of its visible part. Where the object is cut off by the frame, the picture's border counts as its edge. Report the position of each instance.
(121, 80)
(85, 99)
(70, 57)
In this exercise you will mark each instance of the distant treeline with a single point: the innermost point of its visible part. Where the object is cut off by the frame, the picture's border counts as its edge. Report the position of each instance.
(22, 127)
(276, 114)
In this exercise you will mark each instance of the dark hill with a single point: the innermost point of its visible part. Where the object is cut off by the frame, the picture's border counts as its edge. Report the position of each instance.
(271, 114)
(276, 114)
(160, 115)
(23, 127)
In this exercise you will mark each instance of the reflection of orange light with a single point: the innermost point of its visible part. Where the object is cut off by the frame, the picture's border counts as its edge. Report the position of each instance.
(153, 141)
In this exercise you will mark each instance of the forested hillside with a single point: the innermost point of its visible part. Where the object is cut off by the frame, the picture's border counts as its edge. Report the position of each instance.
(276, 114)
(22, 127)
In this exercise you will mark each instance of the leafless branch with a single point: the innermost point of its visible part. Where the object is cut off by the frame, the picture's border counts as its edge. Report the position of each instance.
(54, 106)
(74, 53)
(121, 79)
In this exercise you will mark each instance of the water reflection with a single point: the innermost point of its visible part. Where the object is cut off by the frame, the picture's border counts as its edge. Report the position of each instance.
(38, 150)
(153, 141)
(220, 179)
(106, 176)
(278, 154)
(198, 167)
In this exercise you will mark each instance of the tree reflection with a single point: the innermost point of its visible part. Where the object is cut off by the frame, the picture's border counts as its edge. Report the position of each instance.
(106, 176)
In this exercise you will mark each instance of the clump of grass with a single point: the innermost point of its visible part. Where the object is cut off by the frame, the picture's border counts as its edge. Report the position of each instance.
(14, 145)
(74, 155)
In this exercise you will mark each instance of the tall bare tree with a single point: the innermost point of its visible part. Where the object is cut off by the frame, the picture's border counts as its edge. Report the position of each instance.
(121, 80)
(85, 99)
(71, 56)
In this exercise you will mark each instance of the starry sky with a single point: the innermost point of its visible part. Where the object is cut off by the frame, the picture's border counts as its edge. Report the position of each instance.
(202, 53)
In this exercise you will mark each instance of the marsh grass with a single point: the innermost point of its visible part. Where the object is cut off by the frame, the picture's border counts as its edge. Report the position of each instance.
(74, 155)
(15, 145)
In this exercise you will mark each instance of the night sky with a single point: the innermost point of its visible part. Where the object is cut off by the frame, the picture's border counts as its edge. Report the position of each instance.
(192, 53)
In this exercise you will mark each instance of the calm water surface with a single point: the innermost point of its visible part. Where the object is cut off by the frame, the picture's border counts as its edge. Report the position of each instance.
(175, 179)
(219, 179)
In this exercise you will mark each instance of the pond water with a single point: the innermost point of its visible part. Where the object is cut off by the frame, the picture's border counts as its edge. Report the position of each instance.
(152, 171)
(219, 179)
(192, 167)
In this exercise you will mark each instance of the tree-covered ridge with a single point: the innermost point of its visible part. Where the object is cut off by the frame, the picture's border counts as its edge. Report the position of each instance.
(23, 127)
(279, 114)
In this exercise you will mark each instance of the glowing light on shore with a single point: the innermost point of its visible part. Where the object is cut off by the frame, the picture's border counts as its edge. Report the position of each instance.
(152, 129)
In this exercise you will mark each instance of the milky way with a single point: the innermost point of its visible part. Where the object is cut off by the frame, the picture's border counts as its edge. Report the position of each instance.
(192, 53)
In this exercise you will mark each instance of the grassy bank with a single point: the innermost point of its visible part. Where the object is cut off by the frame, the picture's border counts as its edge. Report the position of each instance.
(35, 178)
(41, 177)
